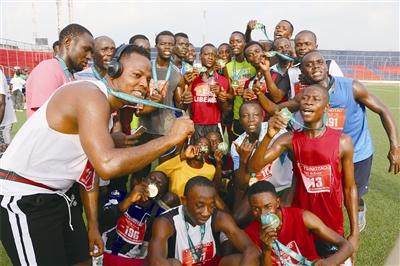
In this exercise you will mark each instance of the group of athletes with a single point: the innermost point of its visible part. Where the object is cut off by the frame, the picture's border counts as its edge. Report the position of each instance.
(243, 154)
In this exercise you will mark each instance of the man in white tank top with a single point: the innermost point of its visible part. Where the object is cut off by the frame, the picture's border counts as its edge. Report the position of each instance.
(64, 142)
(185, 235)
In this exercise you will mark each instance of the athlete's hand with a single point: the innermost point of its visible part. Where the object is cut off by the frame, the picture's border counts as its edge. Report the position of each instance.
(218, 154)
(189, 77)
(191, 151)
(215, 88)
(251, 25)
(95, 239)
(156, 97)
(186, 97)
(276, 123)
(354, 240)
(265, 64)
(121, 140)
(394, 159)
(245, 149)
(223, 96)
(239, 90)
(182, 128)
(139, 193)
(249, 95)
(267, 235)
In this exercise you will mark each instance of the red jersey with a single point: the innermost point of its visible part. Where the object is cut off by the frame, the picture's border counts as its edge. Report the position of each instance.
(319, 180)
(292, 234)
(205, 107)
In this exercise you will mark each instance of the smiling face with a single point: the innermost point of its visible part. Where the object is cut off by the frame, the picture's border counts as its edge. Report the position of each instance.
(191, 56)
(200, 203)
(135, 76)
(104, 48)
(314, 67)
(237, 43)
(251, 118)
(314, 103)
(165, 46)
(79, 51)
(224, 53)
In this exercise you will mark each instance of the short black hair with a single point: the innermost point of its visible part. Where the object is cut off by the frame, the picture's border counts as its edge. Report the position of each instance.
(310, 52)
(166, 33)
(307, 32)
(251, 43)
(280, 38)
(261, 187)
(181, 34)
(56, 43)
(131, 48)
(224, 43)
(253, 102)
(197, 181)
(72, 30)
(290, 24)
(240, 33)
(207, 45)
(137, 37)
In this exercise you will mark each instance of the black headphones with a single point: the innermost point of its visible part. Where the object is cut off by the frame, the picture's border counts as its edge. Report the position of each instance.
(114, 69)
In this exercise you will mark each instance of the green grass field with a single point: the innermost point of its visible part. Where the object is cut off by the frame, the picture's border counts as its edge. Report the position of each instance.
(383, 208)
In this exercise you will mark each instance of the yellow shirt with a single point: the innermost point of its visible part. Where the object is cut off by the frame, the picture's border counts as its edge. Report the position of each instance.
(179, 173)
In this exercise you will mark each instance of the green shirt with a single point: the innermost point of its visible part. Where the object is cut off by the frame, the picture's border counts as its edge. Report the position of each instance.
(239, 71)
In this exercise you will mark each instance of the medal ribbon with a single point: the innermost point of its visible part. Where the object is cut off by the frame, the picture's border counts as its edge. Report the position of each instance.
(64, 67)
(154, 73)
(278, 247)
(196, 253)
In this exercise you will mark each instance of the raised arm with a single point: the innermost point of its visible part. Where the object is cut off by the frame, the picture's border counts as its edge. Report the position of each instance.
(317, 227)
(362, 95)
(264, 155)
(349, 188)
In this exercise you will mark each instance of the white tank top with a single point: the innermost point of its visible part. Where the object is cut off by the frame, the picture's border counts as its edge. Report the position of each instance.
(44, 155)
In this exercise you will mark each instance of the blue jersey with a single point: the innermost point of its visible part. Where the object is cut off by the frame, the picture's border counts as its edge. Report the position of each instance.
(350, 116)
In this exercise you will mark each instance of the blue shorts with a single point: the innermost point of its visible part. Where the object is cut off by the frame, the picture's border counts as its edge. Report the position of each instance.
(362, 171)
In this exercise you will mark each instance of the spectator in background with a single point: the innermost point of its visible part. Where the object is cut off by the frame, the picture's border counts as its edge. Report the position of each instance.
(191, 55)
(76, 47)
(141, 41)
(56, 48)
(7, 115)
(17, 86)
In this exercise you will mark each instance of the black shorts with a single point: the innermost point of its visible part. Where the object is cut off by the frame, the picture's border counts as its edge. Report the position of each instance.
(35, 230)
(362, 171)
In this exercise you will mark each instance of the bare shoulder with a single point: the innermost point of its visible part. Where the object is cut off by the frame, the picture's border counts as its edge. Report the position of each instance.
(346, 143)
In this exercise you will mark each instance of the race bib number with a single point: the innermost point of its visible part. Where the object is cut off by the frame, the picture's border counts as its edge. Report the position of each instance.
(161, 88)
(206, 255)
(298, 87)
(316, 178)
(130, 229)
(87, 177)
(265, 173)
(336, 118)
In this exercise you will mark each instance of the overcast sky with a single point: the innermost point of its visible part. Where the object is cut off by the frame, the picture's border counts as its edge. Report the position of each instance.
(341, 25)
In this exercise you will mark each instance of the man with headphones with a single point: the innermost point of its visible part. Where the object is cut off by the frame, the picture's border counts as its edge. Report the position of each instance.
(66, 141)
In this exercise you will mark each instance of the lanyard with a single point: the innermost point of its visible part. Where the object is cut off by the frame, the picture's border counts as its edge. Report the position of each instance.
(154, 73)
(278, 247)
(183, 68)
(263, 29)
(236, 76)
(64, 67)
(284, 56)
(96, 73)
(196, 253)
(133, 99)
